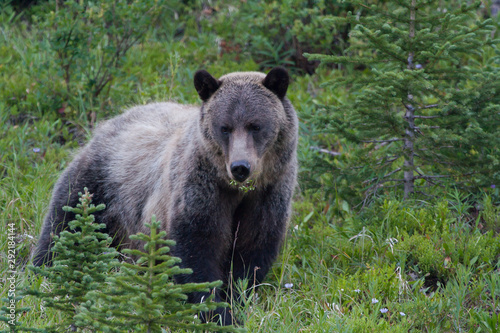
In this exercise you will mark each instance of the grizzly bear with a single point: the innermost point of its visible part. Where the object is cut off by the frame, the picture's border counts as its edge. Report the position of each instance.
(186, 165)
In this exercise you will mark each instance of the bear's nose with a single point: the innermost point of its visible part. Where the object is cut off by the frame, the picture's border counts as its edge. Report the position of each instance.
(240, 170)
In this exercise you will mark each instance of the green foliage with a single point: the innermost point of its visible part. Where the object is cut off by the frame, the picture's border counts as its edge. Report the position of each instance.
(90, 41)
(143, 296)
(490, 214)
(248, 186)
(422, 112)
(426, 263)
(277, 32)
(80, 265)
(78, 55)
(31, 151)
(421, 251)
(395, 218)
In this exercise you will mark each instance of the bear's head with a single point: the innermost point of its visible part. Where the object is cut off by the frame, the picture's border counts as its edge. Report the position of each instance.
(243, 118)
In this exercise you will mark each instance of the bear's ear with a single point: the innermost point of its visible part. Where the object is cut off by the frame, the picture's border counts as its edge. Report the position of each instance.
(277, 81)
(205, 84)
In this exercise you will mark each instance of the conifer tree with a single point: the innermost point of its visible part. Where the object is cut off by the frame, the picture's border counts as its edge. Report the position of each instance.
(143, 296)
(424, 111)
(82, 260)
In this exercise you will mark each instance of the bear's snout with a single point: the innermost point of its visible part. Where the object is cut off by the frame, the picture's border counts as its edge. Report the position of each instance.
(240, 170)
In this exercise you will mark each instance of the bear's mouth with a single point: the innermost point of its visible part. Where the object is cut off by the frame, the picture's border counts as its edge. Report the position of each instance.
(245, 186)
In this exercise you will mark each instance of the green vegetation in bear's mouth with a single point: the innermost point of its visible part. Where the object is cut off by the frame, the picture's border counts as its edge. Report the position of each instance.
(248, 185)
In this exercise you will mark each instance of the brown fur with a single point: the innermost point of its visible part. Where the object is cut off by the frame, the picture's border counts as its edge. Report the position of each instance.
(172, 161)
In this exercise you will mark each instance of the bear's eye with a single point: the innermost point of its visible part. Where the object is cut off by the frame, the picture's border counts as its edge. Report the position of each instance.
(225, 130)
(254, 128)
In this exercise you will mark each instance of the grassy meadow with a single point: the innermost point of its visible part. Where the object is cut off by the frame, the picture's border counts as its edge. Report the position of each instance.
(430, 264)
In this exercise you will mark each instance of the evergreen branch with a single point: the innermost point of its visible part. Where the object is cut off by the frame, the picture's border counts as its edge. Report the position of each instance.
(430, 106)
(378, 141)
(321, 150)
(441, 147)
(380, 184)
(381, 11)
(381, 162)
(383, 45)
(427, 117)
(390, 180)
(431, 177)
(428, 178)
(425, 194)
(390, 186)
(343, 59)
(395, 157)
(387, 175)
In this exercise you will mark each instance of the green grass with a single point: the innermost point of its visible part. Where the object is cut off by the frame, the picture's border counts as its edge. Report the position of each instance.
(434, 266)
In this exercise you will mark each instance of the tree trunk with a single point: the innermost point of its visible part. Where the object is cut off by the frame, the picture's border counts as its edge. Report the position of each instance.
(408, 164)
(409, 139)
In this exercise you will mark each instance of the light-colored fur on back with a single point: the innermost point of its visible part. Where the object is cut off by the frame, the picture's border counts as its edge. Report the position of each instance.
(139, 146)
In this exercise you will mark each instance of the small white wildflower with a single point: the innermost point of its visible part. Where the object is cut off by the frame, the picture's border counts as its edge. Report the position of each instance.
(296, 227)
(288, 285)
(374, 300)
(335, 307)
(402, 313)
(384, 310)
(341, 289)
(357, 291)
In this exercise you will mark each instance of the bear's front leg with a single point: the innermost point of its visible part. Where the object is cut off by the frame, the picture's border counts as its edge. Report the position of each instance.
(260, 224)
(201, 229)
